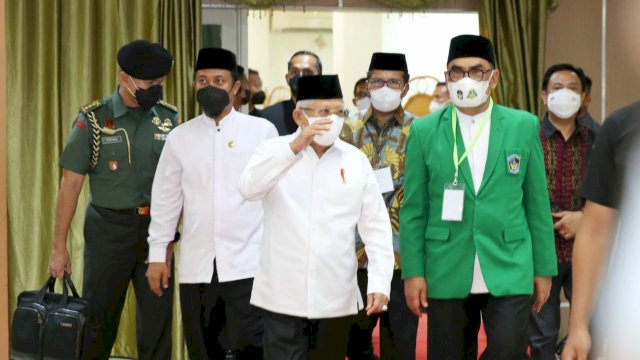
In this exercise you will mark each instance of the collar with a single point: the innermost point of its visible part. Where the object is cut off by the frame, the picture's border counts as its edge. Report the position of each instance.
(225, 120)
(398, 115)
(465, 119)
(119, 108)
(548, 129)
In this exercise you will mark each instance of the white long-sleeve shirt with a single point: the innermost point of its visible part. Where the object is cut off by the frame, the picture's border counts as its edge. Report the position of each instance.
(312, 206)
(477, 159)
(197, 176)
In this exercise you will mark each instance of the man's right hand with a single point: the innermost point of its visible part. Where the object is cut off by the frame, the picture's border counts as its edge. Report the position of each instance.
(158, 277)
(415, 290)
(306, 136)
(59, 262)
(577, 346)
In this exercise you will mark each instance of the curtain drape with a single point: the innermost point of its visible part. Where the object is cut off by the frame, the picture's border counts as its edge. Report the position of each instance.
(61, 54)
(517, 29)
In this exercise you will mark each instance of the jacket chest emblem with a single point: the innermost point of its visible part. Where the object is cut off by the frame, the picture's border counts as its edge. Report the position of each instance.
(513, 164)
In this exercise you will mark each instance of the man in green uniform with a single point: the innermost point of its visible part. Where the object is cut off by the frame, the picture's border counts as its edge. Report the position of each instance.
(117, 141)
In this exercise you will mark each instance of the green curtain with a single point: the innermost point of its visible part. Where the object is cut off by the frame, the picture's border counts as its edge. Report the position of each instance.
(61, 54)
(517, 29)
(181, 32)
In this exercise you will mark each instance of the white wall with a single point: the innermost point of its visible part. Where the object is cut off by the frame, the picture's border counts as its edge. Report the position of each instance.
(422, 37)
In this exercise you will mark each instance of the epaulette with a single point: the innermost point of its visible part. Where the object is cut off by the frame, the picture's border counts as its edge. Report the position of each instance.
(91, 106)
(168, 106)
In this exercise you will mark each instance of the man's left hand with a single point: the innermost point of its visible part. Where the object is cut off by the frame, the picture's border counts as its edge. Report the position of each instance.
(376, 303)
(566, 223)
(542, 288)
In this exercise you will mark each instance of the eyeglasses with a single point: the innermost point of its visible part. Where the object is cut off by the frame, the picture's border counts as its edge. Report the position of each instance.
(327, 112)
(391, 83)
(456, 74)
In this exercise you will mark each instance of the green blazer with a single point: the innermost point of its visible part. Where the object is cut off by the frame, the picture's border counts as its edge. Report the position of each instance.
(508, 222)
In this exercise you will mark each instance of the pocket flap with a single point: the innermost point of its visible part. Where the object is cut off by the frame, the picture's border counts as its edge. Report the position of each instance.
(516, 234)
(437, 233)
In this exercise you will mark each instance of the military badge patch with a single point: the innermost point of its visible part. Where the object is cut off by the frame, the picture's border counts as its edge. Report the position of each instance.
(164, 126)
(513, 164)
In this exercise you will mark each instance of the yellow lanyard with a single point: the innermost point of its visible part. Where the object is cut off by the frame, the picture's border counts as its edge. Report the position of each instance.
(474, 141)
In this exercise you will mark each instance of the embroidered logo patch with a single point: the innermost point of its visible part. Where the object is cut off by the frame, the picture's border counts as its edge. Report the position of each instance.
(513, 163)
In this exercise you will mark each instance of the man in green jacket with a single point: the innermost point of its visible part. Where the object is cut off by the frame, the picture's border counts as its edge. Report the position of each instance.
(477, 237)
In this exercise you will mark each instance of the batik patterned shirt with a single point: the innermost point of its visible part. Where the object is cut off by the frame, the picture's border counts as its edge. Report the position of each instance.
(565, 162)
(385, 147)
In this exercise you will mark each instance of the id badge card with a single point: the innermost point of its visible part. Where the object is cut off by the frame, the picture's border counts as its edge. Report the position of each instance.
(384, 179)
(453, 202)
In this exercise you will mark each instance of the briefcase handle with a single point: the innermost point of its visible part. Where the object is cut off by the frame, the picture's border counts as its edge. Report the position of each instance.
(50, 285)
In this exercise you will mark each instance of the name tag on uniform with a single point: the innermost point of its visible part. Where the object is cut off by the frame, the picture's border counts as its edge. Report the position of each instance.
(106, 140)
(161, 137)
(453, 202)
(384, 179)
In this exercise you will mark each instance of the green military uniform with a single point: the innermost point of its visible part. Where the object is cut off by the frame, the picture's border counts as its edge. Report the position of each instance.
(130, 143)
(119, 147)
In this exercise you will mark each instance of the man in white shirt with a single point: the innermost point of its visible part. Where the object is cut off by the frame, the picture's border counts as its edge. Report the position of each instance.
(197, 176)
(316, 189)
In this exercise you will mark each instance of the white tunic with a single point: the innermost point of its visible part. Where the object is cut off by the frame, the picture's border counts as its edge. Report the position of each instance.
(197, 176)
(312, 206)
(477, 159)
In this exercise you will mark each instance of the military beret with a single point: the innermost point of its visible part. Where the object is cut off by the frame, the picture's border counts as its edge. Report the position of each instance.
(471, 46)
(144, 60)
(388, 61)
(319, 87)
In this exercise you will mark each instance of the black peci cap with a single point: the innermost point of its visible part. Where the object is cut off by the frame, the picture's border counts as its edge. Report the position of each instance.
(319, 87)
(144, 60)
(471, 46)
(388, 61)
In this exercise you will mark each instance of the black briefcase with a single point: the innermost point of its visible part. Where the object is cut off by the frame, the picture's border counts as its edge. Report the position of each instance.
(47, 325)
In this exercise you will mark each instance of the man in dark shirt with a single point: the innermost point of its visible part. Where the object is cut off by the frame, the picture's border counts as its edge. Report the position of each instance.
(583, 115)
(608, 167)
(566, 143)
(302, 63)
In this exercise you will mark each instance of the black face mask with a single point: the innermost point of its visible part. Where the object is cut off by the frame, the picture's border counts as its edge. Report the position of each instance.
(146, 97)
(293, 84)
(149, 97)
(213, 100)
(245, 97)
(258, 98)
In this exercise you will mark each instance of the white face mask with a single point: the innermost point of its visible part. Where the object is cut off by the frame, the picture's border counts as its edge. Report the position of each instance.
(363, 104)
(328, 137)
(386, 99)
(466, 92)
(435, 106)
(564, 103)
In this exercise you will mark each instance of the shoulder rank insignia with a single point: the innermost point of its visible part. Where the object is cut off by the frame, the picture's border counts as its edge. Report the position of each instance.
(167, 105)
(91, 106)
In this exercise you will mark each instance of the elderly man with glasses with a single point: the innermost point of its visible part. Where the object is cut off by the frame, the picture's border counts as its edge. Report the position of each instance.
(381, 134)
(316, 189)
(477, 238)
